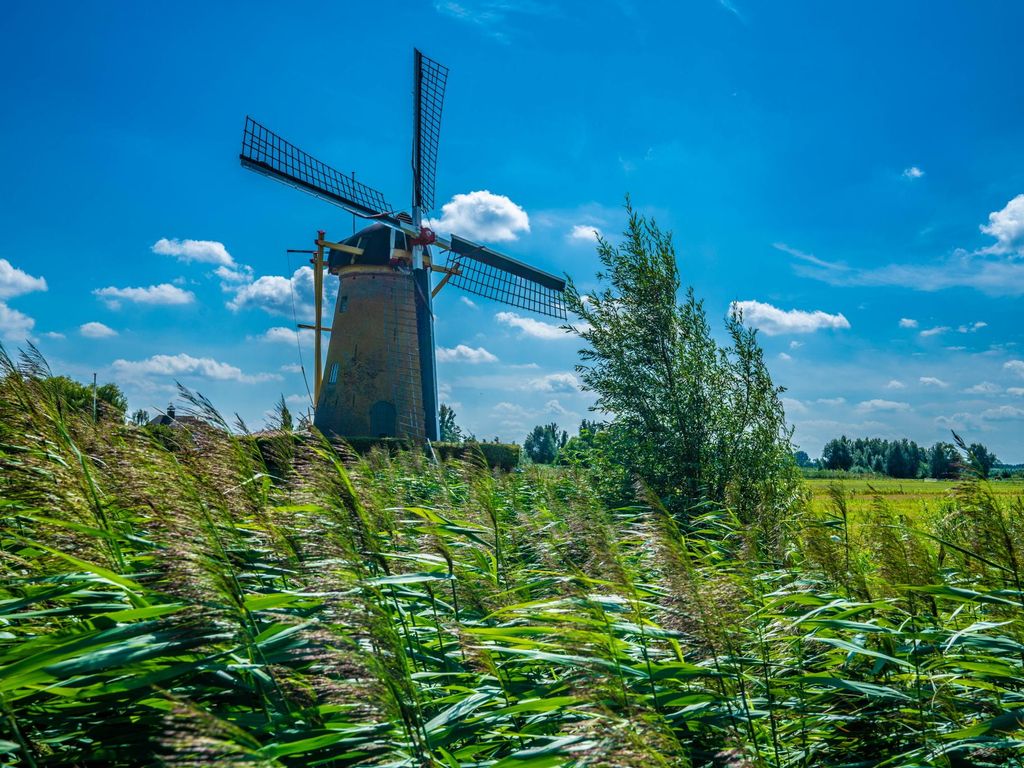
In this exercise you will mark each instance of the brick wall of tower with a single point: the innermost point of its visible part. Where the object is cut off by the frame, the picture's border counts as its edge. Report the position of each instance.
(375, 390)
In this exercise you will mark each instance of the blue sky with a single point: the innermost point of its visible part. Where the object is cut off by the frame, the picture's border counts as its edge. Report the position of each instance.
(852, 171)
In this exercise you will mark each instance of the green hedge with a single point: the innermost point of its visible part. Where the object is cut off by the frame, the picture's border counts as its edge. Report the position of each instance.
(503, 456)
(497, 455)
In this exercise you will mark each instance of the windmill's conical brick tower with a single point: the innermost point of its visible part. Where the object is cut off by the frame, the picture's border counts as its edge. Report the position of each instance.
(372, 383)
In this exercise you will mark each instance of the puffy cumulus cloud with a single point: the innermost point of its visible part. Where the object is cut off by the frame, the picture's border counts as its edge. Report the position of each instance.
(584, 233)
(17, 282)
(536, 329)
(1014, 366)
(983, 388)
(96, 331)
(871, 406)
(934, 331)
(14, 325)
(908, 322)
(553, 382)
(232, 276)
(795, 344)
(202, 251)
(482, 215)
(281, 335)
(164, 294)
(54, 335)
(464, 354)
(931, 381)
(895, 384)
(1007, 227)
(276, 294)
(784, 357)
(913, 172)
(468, 302)
(184, 364)
(774, 321)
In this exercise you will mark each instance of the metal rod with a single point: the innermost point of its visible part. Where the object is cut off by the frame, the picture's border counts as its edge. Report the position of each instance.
(318, 300)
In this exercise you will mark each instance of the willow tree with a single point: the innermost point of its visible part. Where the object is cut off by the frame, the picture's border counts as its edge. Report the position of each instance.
(694, 420)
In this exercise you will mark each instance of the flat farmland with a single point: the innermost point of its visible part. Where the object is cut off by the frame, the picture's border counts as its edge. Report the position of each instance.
(911, 497)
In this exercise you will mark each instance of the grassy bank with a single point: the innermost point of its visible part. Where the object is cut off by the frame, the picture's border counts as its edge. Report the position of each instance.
(185, 604)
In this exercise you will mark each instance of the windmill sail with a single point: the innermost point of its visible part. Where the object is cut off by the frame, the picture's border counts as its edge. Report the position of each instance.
(428, 100)
(478, 269)
(265, 152)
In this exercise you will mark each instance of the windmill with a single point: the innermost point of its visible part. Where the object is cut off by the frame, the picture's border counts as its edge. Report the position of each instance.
(381, 376)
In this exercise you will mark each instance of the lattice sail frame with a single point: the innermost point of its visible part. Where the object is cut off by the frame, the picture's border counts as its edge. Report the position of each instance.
(431, 79)
(481, 271)
(266, 152)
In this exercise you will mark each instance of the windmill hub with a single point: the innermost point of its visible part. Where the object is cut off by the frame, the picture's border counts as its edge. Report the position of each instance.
(380, 375)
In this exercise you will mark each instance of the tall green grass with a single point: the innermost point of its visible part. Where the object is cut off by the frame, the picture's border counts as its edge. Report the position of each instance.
(222, 600)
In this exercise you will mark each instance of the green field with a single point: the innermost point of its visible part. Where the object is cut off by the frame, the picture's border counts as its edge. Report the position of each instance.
(909, 497)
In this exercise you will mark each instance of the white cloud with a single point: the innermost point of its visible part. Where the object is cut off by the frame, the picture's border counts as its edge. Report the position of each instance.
(895, 384)
(1003, 413)
(468, 302)
(275, 294)
(164, 294)
(931, 381)
(96, 331)
(184, 364)
(281, 335)
(555, 408)
(202, 251)
(908, 322)
(973, 327)
(291, 368)
(831, 401)
(995, 270)
(16, 282)
(553, 382)
(463, 354)
(1014, 366)
(784, 357)
(913, 172)
(231, 276)
(1007, 227)
(1018, 391)
(869, 406)
(795, 344)
(934, 331)
(983, 388)
(792, 405)
(531, 327)
(15, 325)
(54, 335)
(585, 233)
(774, 321)
(482, 215)
(511, 413)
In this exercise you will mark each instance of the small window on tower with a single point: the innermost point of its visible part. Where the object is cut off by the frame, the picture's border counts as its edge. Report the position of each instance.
(333, 377)
(342, 304)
